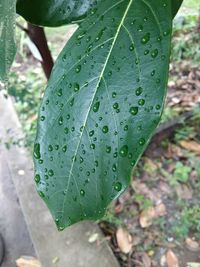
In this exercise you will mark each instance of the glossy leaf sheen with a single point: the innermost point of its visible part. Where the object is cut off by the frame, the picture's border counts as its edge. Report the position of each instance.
(53, 13)
(102, 104)
(7, 40)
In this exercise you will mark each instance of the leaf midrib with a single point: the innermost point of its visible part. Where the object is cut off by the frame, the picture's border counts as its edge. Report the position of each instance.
(100, 77)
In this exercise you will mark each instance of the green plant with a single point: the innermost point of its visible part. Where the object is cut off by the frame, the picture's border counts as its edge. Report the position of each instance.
(103, 101)
(181, 173)
(187, 220)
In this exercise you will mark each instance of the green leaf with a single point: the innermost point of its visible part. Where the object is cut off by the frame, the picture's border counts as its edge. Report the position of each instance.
(53, 13)
(102, 104)
(175, 6)
(7, 36)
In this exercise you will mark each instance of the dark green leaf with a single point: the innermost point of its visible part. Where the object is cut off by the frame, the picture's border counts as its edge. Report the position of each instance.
(102, 104)
(53, 13)
(175, 6)
(7, 39)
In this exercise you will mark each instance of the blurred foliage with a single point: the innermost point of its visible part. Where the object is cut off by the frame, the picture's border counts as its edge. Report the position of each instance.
(27, 91)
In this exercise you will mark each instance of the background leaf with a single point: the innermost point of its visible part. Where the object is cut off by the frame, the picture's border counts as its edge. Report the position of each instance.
(61, 12)
(175, 6)
(7, 39)
(53, 13)
(102, 104)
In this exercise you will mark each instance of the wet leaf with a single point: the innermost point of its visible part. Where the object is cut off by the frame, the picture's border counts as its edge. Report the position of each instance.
(53, 13)
(124, 240)
(7, 36)
(102, 104)
(171, 259)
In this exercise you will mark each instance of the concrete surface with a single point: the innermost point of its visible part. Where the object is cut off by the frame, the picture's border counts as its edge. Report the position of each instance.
(69, 248)
(12, 224)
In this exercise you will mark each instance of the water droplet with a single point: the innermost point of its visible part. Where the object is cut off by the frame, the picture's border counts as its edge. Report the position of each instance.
(115, 105)
(114, 167)
(114, 94)
(76, 87)
(42, 118)
(126, 128)
(81, 35)
(36, 152)
(131, 47)
(105, 129)
(66, 130)
(71, 102)
(108, 149)
(96, 106)
(50, 173)
(123, 151)
(154, 53)
(50, 148)
(59, 93)
(60, 120)
(64, 149)
(37, 178)
(138, 91)
(141, 102)
(82, 192)
(142, 141)
(41, 194)
(78, 69)
(134, 110)
(118, 186)
(145, 39)
(158, 107)
(91, 133)
(92, 146)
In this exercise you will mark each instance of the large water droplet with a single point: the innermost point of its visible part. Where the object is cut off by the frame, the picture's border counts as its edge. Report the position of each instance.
(105, 129)
(138, 91)
(118, 186)
(96, 106)
(123, 151)
(37, 178)
(82, 192)
(36, 152)
(134, 110)
(145, 39)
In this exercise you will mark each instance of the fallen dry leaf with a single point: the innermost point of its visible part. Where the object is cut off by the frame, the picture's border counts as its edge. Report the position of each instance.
(124, 240)
(191, 145)
(160, 210)
(147, 216)
(183, 191)
(146, 260)
(171, 259)
(192, 245)
(26, 261)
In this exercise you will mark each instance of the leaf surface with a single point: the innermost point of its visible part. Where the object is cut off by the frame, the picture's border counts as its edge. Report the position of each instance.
(102, 104)
(7, 36)
(53, 13)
